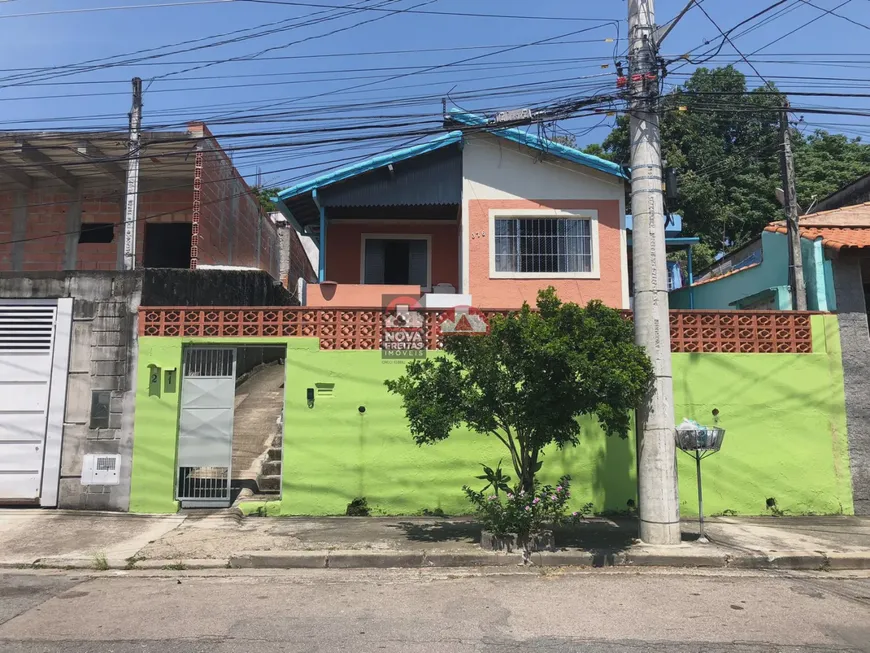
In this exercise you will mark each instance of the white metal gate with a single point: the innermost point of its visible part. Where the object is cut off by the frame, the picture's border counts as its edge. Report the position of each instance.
(27, 339)
(205, 431)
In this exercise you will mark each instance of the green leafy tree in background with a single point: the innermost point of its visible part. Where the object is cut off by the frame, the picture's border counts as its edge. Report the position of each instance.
(529, 379)
(725, 145)
(264, 197)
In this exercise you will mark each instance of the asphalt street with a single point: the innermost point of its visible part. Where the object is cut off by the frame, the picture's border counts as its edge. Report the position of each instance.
(433, 610)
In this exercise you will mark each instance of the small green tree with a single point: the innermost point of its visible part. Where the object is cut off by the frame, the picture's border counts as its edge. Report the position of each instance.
(528, 380)
(264, 197)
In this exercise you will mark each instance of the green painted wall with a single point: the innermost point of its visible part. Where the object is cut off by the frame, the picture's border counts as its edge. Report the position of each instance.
(155, 438)
(784, 415)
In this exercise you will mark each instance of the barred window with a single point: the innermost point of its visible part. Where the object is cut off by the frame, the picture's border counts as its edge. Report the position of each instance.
(543, 245)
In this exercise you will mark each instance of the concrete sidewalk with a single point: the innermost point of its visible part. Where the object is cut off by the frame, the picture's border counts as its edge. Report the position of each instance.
(219, 539)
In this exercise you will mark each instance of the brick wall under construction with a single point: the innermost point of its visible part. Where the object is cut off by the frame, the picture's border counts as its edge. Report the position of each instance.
(229, 227)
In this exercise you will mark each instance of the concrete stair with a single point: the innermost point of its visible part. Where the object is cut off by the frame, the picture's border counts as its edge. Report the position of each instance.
(269, 478)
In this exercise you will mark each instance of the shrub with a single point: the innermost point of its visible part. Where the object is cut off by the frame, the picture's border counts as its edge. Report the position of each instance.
(524, 512)
(359, 507)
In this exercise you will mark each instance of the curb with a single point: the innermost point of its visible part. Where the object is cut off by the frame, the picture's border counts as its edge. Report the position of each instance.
(680, 558)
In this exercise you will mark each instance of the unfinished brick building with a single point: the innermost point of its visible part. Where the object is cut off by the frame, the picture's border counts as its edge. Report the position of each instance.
(62, 204)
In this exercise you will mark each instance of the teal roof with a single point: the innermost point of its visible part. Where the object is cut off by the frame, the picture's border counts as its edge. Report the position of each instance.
(550, 147)
(471, 120)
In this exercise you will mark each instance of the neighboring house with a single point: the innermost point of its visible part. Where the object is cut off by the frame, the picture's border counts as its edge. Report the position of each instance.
(756, 277)
(480, 215)
(62, 197)
(68, 311)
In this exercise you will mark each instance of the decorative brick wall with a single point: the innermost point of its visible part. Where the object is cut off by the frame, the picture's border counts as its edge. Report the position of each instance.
(761, 332)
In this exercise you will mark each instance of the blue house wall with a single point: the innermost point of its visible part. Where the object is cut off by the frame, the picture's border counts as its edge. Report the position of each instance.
(770, 275)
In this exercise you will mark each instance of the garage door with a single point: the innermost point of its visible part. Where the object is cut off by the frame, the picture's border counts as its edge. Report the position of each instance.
(27, 334)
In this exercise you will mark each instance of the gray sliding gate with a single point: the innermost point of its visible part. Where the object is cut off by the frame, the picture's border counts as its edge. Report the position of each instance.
(205, 430)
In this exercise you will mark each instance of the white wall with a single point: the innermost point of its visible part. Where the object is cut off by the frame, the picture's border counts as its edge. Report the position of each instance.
(496, 168)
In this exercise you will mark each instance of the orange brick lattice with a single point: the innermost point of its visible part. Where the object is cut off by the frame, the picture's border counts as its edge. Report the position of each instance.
(726, 332)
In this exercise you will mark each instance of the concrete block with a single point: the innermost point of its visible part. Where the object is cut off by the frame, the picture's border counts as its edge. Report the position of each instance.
(78, 398)
(75, 439)
(287, 560)
(71, 494)
(108, 434)
(97, 501)
(848, 560)
(564, 559)
(97, 286)
(274, 454)
(84, 309)
(112, 309)
(116, 404)
(100, 447)
(686, 556)
(470, 559)
(108, 353)
(108, 338)
(115, 420)
(80, 347)
(110, 324)
(799, 560)
(373, 559)
(108, 368)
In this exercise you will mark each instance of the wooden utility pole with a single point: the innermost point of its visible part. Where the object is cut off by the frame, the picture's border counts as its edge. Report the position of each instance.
(131, 206)
(795, 258)
(657, 466)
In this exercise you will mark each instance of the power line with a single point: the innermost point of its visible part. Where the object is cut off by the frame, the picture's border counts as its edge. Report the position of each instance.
(84, 10)
(250, 57)
(833, 12)
(237, 36)
(430, 68)
(727, 38)
(463, 14)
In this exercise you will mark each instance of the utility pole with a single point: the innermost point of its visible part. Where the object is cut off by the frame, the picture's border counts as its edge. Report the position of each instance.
(657, 465)
(131, 207)
(795, 258)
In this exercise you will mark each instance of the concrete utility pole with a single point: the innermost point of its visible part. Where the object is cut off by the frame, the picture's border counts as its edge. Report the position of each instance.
(657, 465)
(795, 258)
(131, 208)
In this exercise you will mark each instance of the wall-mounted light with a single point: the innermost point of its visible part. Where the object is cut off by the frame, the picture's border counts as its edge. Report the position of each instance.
(310, 396)
(361, 409)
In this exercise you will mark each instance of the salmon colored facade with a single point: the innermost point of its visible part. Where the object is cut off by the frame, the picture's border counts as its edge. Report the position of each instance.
(606, 284)
(344, 254)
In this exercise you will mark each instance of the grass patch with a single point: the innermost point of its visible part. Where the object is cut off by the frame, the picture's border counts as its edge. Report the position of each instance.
(100, 562)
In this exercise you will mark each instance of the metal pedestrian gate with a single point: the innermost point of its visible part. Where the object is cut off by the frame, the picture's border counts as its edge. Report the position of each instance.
(205, 430)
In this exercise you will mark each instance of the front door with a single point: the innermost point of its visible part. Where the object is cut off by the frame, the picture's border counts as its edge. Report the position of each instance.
(205, 429)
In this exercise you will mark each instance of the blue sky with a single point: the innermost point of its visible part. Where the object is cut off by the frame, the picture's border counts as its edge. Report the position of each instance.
(298, 76)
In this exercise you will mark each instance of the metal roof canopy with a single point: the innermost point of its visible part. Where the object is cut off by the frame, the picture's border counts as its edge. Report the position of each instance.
(429, 174)
(300, 206)
(82, 160)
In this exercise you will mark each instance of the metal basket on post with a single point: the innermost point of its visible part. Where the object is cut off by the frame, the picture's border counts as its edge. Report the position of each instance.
(699, 442)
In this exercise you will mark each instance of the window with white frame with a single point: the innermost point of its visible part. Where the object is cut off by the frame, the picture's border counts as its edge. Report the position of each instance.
(539, 245)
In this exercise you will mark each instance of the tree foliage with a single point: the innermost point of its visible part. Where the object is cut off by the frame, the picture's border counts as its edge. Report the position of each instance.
(529, 379)
(725, 146)
(264, 197)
